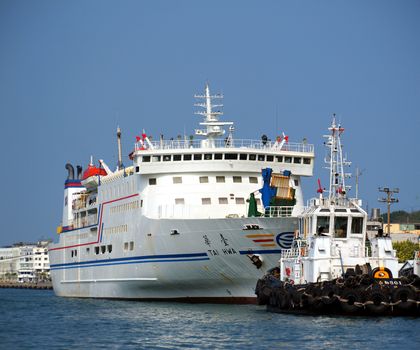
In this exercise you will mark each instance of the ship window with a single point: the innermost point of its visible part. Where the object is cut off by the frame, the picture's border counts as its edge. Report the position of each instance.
(109, 248)
(242, 156)
(218, 156)
(279, 159)
(131, 245)
(306, 160)
(87, 250)
(179, 201)
(253, 180)
(220, 179)
(177, 157)
(208, 156)
(296, 183)
(354, 210)
(270, 158)
(205, 201)
(340, 210)
(252, 157)
(258, 201)
(146, 159)
(237, 179)
(239, 200)
(141, 203)
(323, 224)
(356, 225)
(198, 156)
(204, 179)
(152, 181)
(167, 158)
(287, 159)
(96, 250)
(137, 169)
(261, 157)
(223, 200)
(340, 227)
(72, 253)
(297, 160)
(103, 249)
(125, 246)
(324, 210)
(177, 180)
(187, 156)
(230, 156)
(156, 159)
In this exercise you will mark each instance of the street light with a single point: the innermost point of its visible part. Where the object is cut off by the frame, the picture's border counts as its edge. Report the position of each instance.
(389, 199)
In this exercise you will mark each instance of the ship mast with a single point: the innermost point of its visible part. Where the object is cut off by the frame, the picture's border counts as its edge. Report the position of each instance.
(336, 162)
(214, 127)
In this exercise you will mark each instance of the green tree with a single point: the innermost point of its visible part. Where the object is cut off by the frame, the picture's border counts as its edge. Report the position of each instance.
(405, 250)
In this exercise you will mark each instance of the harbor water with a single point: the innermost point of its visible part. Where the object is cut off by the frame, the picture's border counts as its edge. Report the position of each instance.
(35, 319)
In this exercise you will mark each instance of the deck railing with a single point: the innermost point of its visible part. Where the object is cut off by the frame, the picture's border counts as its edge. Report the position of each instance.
(236, 143)
(278, 211)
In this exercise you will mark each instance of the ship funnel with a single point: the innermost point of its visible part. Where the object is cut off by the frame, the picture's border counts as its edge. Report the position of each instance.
(79, 172)
(70, 169)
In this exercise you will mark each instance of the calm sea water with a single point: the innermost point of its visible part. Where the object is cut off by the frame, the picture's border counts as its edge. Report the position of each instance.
(32, 319)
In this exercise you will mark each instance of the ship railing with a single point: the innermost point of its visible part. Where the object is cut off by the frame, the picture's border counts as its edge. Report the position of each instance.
(180, 144)
(278, 211)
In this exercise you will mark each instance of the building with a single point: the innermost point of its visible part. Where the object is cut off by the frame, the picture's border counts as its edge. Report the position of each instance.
(25, 262)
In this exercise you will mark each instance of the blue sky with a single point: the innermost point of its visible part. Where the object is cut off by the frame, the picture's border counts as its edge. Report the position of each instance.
(71, 71)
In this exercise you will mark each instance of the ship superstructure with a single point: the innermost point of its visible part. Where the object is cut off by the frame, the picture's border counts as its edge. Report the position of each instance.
(189, 219)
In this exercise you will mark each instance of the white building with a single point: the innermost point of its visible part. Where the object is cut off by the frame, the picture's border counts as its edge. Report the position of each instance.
(25, 262)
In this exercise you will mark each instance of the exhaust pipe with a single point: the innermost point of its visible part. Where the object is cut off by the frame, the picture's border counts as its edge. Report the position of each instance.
(79, 172)
(70, 170)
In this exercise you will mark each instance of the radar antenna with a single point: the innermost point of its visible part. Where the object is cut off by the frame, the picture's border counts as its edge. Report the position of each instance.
(214, 127)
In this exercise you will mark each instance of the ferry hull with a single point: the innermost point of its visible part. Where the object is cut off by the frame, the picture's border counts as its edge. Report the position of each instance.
(202, 260)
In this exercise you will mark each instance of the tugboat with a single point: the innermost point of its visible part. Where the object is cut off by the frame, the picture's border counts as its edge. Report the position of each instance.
(331, 268)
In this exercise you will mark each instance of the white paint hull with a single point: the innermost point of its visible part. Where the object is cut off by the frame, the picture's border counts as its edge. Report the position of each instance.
(207, 260)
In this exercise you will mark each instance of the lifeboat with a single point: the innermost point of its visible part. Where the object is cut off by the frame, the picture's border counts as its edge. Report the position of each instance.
(92, 176)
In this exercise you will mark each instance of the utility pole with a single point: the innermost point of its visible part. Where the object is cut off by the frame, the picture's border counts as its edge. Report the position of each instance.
(389, 199)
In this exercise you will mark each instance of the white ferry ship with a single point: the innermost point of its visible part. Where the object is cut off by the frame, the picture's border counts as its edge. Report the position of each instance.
(193, 220)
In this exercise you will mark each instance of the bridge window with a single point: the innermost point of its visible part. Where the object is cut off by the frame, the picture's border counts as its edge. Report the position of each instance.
(208, 156)
(231, 156)
(155, 158)
(187, 156)
(340, 227)
(198, 156)
(109, 246)
(356, 225)
(323, 224)
(152, 181)
(96, 250)
(306, 160)
(279, 159)
(218, 156)
(146, 159)
(297, 160)
(261, 157)
(177, 157)
(167, 158)
(243, 156)
(270, 158)
(103, 249)
(287, 159)
(252, 157)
